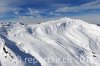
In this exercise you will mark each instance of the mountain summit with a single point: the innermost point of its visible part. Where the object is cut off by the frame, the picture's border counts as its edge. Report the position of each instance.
(63, 42)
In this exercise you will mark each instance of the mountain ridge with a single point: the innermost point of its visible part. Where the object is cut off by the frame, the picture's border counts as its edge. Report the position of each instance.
(66, 38)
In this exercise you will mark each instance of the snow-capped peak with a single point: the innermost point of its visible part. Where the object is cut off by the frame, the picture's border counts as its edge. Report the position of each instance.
(64, 39)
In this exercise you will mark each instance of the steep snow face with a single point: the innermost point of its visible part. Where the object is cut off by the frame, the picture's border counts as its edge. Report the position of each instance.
(63, 42)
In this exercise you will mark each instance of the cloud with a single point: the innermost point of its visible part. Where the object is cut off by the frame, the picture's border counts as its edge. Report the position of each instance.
(87, 6)
(11, 5)
(35, 9)
(5, 6)
(68, 9)
(34, 12)
(95, 2)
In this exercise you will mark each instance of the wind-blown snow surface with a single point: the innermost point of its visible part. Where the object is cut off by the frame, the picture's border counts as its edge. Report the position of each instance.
(68, 40)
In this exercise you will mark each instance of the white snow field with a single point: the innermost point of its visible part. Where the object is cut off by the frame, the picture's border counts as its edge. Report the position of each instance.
(63, 42)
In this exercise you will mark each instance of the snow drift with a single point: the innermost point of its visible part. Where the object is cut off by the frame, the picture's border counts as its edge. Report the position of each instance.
(63, 42)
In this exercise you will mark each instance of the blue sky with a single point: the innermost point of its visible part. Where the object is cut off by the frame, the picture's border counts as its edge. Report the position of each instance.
(42, 10)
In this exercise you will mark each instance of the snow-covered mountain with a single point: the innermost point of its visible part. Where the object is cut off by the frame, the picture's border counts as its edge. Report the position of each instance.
(63, 42)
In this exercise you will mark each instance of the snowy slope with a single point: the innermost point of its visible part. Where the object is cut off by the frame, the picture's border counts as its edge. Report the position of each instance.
(73, 42)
